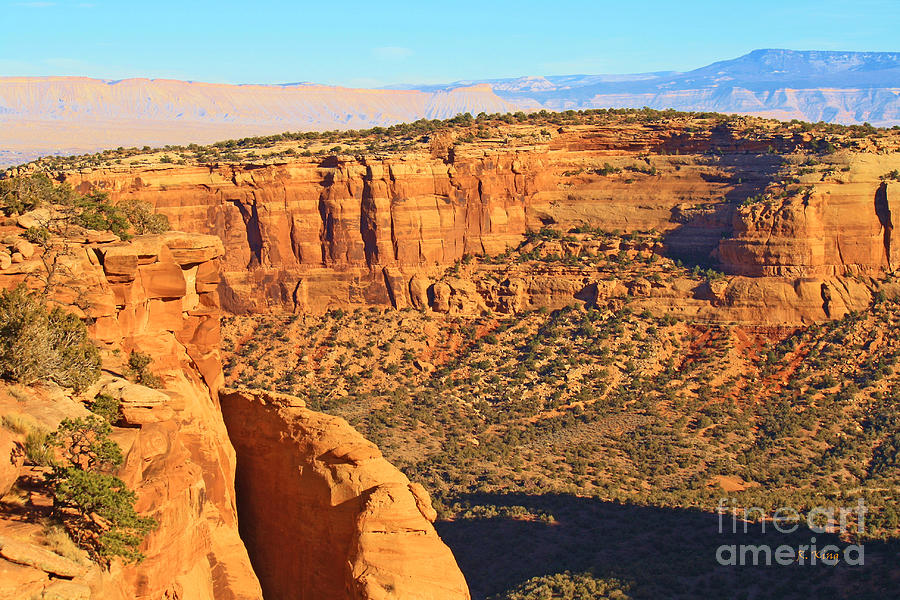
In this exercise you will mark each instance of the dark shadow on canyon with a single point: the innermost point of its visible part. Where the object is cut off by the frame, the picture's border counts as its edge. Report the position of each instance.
(666, 553)
(695, 240)
(883, 212)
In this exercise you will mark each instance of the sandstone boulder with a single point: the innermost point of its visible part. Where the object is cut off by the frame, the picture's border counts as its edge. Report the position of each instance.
(139, 404)
(441, 295)
(25, 248)
(418, 291)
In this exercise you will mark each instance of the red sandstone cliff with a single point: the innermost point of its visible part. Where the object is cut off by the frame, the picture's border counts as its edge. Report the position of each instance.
(311, 233)
(155, 294)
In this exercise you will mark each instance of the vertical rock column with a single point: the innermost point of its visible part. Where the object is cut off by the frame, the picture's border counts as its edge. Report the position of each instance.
(324, 515)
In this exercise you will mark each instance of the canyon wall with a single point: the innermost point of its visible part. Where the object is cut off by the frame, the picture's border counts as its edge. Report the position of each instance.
(311, 233)
(158, 294)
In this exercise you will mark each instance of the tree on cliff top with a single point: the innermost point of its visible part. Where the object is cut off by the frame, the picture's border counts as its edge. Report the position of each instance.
(142, 217)
(21, 194)
(91, 211)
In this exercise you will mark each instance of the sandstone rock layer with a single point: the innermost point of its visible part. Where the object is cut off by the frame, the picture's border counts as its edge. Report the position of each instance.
(308, 234)
(156, 295)
(324, 515)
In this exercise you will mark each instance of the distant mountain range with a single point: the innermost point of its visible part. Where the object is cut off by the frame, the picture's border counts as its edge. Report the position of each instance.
(66, 115)
(841, 87)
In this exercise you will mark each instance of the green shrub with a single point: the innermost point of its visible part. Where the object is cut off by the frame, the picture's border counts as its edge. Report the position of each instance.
(21, 194)
(143, 218)
(139, 367)
(568, 586)
(37, 235)
(886, 458)
(38, 344)
(84, 443)
(607, 169)
(106, 407)
(94, 212)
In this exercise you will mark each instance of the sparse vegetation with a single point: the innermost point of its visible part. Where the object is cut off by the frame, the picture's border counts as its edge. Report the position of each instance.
(143, 218)
(58, 540)
(21, 194)
(37, 343)
(91, 211)
(139, 369)
(568, 586)
(106, 406)
(607, 403)
(821, 137)
(37, 437)
(521, 417)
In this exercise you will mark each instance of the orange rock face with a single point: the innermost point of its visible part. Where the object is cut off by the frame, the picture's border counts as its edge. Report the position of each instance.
(143, 295)
(331, 518)
(314, 233)
(12, 456)
(842, 228)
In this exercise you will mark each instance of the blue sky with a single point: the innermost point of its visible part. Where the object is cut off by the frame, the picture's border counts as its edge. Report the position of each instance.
(374, 43)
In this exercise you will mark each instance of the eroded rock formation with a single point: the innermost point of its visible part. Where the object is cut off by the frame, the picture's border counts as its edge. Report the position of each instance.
(155, 294)
(311, 233)
(324, 515)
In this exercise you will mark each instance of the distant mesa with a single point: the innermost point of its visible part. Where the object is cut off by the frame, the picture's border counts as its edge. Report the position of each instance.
(72, 115)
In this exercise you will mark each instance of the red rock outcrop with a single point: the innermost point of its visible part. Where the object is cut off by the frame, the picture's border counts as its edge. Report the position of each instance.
(324, 515)
(355, 526)
(842, 227)
(156, 294)
(314, 233)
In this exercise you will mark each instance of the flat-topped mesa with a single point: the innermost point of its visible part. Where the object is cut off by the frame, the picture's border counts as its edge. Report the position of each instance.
(304, 234)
